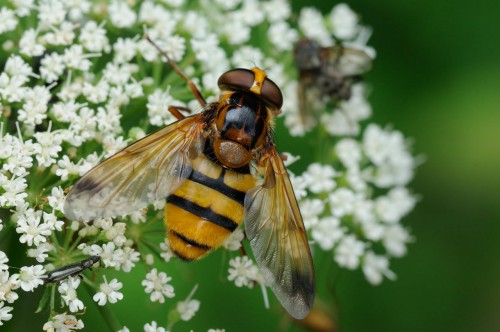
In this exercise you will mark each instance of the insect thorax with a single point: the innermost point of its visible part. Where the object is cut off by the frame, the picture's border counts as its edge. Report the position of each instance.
(240, 126)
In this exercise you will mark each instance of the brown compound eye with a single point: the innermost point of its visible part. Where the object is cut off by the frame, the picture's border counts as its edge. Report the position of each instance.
(271, 92)
(236, 78)
(243, 79)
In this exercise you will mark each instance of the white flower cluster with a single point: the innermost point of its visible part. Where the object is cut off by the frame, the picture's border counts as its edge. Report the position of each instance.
(63, 323)
(354, 206)
(184, 310)
(108, 292)
(157, 284)
(79, 83)
(244, 272)
(187, 308)
(27, 279)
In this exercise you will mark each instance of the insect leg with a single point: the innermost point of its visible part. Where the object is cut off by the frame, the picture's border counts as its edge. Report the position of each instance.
(175, 110)
(192, 86)
(243, 251)
(283, 156)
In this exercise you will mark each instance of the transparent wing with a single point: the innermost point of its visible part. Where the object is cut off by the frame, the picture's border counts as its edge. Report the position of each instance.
(310, 99)
(350, 61)
(278, 239)
(142, 173)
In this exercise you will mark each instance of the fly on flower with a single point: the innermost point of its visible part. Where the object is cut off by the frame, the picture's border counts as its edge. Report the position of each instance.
(70, 270)
(327, 72)
(217, 169)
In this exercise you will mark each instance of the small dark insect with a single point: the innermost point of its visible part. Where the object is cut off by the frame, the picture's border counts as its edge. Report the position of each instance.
(217, 169)
(326, 73)
(70, 270)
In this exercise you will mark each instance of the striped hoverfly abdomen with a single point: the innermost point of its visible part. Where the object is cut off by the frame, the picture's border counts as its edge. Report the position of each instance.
(206, 208)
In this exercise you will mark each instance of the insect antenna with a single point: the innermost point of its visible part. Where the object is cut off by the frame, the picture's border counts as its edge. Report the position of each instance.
(173, 64)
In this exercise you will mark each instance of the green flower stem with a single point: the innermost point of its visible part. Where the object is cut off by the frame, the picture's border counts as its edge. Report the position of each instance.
(55, 240)
(42, 177)
(154, 232)
(142, 66)
(52, 299)
(153, 247)
(173, 318)
(67, 238)
(157, 72)
(89, 282)
(75, 243)
(323, 144)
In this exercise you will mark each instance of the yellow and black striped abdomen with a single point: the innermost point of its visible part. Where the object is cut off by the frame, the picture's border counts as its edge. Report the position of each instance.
(205, 209)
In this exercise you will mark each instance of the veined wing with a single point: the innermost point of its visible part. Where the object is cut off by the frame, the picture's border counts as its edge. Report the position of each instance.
(349, 61)
(310, 100)
(142, 173)
(278, 238)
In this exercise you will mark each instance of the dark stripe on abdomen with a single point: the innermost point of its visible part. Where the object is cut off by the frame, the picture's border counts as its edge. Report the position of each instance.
(190, 241)
(218, 185)
(181, 256)
(203, 212)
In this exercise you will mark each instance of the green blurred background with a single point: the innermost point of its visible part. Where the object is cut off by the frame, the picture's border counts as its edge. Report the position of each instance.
(437, 79)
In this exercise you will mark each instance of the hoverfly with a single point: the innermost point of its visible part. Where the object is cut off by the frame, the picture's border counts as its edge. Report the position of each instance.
(327, 73)
(70, 270)
(216, 169)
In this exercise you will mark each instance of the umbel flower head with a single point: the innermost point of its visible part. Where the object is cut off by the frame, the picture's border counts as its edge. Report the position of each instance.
(79, 83)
